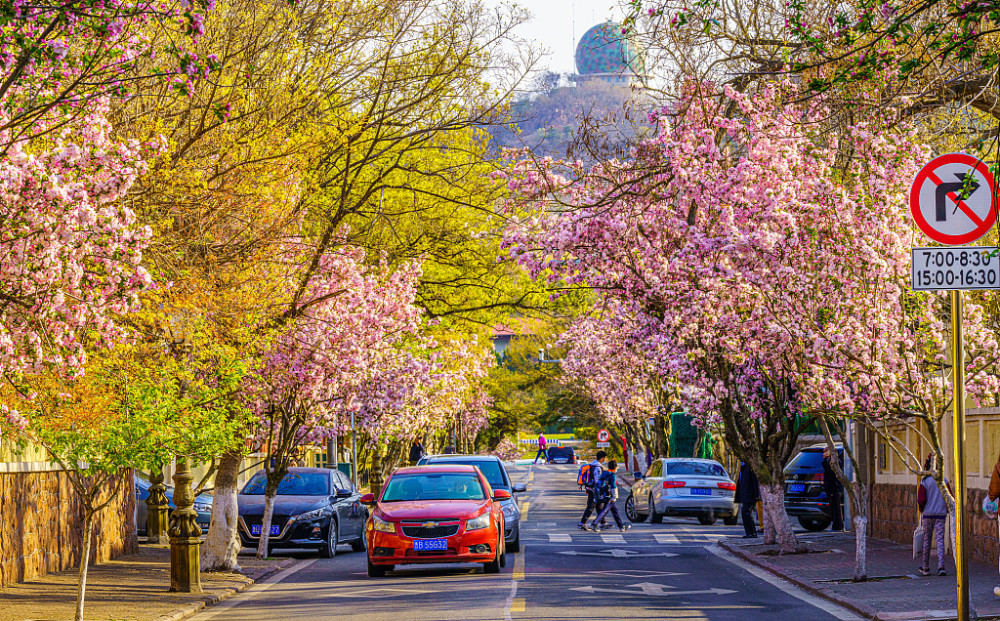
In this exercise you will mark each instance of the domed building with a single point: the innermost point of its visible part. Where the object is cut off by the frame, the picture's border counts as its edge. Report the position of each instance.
(605, 53)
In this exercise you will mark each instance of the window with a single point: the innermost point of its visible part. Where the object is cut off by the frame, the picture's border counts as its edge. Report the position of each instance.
(434, 486)
(341, 481)
(294, 484)
(490, 468)
(656, 469)
(696, 468)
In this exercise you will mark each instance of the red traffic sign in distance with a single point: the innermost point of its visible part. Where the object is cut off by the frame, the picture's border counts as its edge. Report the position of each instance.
(952, 199)
(603, 435)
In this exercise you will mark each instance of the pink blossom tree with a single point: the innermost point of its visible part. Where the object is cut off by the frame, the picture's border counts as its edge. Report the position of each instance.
(70, 252)
(764, 255)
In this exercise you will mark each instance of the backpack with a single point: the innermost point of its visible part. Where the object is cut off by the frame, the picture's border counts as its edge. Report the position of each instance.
(605, 485)
(585, 475)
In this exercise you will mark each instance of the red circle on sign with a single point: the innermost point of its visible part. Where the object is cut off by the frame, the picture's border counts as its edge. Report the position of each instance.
(603, 435)
(925, 173)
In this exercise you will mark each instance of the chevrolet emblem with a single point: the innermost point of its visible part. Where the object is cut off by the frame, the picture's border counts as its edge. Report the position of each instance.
(429, 524)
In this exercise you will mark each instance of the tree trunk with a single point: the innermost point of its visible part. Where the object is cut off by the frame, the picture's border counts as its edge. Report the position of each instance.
(88, 534)
(222, 544)
(773, 497)
(860, 548)
(265, 527)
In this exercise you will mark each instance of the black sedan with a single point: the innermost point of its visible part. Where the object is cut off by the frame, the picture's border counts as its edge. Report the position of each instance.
(314, 508)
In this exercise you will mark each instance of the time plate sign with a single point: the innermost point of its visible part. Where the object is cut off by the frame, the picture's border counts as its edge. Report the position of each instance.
(957, 267)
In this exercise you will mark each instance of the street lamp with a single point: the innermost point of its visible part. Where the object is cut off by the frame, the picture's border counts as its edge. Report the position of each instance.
(184, 531)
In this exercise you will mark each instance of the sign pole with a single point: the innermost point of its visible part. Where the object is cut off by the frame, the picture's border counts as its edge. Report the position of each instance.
(958, 419)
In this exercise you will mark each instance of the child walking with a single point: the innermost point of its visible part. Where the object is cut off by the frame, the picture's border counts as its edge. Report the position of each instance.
(607, 492)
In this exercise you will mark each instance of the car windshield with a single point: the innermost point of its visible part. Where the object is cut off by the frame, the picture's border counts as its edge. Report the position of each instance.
(561, 451)
(490, 469)
(806, 459)
(434, 486)
(294, 484)
(696, 468)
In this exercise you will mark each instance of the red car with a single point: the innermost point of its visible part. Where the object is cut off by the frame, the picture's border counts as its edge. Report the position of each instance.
(436, 514)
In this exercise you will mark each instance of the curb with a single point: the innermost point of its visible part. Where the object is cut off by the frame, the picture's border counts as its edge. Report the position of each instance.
(193, 608)
(806, 585)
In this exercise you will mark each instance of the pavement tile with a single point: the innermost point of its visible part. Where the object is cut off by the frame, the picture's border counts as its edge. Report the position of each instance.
(895, 590)
(129, 588)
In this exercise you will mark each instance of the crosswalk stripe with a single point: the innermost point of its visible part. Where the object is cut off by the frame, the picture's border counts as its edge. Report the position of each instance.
(666, 538)
(612, 539)
(559, 538)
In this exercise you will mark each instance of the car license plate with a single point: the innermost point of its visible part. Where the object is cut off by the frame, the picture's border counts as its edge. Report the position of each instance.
(255, 529)
(430, 545)
(700, 491)
(796, 488)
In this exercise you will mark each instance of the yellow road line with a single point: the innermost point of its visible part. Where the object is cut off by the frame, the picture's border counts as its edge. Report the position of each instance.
(524, 510)
(517, 605)
(531, 477)
(519, 567)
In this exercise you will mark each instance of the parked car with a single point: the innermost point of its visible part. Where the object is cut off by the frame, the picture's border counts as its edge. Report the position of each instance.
(314, 508)
(497, 477)
(562, 455)
(436, 514)
(698, 488)
(805, 499)
(202, 504)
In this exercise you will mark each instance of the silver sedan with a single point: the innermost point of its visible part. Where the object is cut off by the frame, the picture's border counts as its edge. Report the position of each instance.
(689, 487)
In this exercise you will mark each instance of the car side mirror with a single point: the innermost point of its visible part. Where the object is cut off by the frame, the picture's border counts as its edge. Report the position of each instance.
(519, 487)
(368, 499)
(501, 494)
(344, 493)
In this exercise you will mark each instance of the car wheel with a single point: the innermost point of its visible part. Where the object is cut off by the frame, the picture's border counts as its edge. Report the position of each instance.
(361, 544)
(329, 547)
(707, 520)
(377, 571)
(654, 517)
(493, 567)
(730, 520)
(515, 546)
(814, 525)
(630, 512)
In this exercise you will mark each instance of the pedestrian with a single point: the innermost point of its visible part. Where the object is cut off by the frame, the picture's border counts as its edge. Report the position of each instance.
(834, 491)
(933, 511)
(747, 494)
(542, 451)
(589, 483)
(993, 493)
(416, 452)
(607, 492)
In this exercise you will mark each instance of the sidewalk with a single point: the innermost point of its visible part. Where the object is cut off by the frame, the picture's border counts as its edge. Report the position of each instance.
(894, 592)
(130, 588)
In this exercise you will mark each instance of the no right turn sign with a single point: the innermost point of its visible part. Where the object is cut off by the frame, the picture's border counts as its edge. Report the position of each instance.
(952, 199)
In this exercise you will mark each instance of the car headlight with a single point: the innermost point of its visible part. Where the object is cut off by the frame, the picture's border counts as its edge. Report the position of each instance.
(509, 509)
(382, 525)
(201, 507)
(476, 523)
(308, 515)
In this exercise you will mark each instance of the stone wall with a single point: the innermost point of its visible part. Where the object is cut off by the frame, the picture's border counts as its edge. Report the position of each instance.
(894, 516)
(41, 525)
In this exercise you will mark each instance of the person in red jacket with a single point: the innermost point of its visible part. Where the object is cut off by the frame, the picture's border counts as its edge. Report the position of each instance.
(994, 492)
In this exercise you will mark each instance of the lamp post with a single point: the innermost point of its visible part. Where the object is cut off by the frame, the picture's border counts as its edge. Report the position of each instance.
(156, 507)
(185, 534)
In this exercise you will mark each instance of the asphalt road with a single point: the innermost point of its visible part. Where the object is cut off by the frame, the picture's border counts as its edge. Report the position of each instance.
(672, 570)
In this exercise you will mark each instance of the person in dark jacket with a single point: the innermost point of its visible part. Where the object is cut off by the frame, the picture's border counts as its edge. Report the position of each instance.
(747, 494)
(933, 513)
(834, 491)
(416, 452)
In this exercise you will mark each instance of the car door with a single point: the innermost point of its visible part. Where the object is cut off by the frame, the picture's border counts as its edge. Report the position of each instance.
(350, 508)
(652, 482)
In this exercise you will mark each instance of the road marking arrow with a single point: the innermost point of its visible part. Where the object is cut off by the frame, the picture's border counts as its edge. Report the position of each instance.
(615, 553)
(652, 589)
